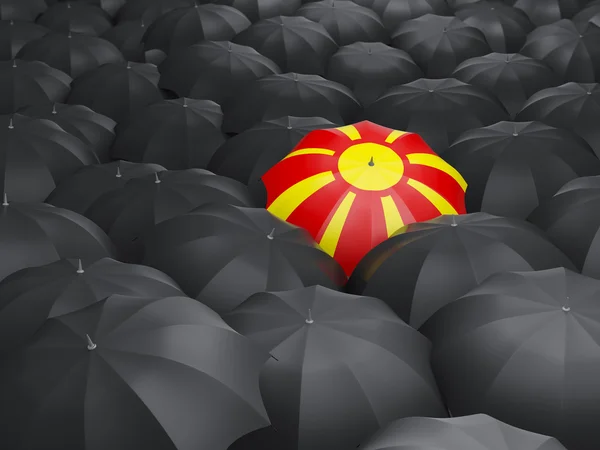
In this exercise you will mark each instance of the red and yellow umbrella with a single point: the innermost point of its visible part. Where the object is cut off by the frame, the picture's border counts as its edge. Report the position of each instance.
(352, 187)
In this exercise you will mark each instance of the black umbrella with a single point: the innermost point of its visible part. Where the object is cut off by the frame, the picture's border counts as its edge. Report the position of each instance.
(438, 43)
(75, 17)
(26, 10)
(213, 70)
(25, 83)
(291, 94)
(505, 28)
(110, 7)
(571, 50)
(14, 35)
(512, 167)
(393, 13)
(438, 110)
(427, 265)
(256, 10)
(74, 54)
(522, 347)
(149, 10)
(132, 372)
(512, 78)
(549, 11)
(79, 191)
(573, 106)
(127, 37)
(31, 296)
(177, 134)
(590, 12)
(295, 44)
(476, 432)
(342, 365)
(132, 87)
(580, 183)
(222, 254)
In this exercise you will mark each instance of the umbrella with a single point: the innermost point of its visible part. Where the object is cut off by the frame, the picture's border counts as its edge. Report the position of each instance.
(127, 38)
(573, 106)
(132, 372)
(512, 167)
(110, 7)
(256, 10)
(215, 244)
(393, 13)
(35, 155)
(133, 86)
(550, 11)
(427, 265)
(345, 21)
(74, 54)
(475, 432)
(438, 44)
(352, 187)
(571, 50)
(79, 191)
(25, 83)
(149, 10)
(75, 17)
(213, 70)
(33, 295)
(14, 35)
(92, 128)
(342, 365)
(26, 10)
(437, 110)
(533, 336)
(588, 13)
(369, 69)
(580, 183)
(505, 28)
(291, 94)
(295, 44)
(177, 134)
(512, 78)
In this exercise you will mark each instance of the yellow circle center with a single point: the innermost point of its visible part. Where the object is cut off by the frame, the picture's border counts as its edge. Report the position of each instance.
(370, 166)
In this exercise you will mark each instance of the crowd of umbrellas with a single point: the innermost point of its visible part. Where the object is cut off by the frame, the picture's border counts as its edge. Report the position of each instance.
(152, 297)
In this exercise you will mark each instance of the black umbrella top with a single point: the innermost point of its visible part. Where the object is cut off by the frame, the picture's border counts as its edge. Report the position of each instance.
(127, 37)
(149, 10)
(26, 10)
(580, 183)
(15, 34)
(256, 10)
(110, 7)
(550, 11)
(394, 13)
(75, 17)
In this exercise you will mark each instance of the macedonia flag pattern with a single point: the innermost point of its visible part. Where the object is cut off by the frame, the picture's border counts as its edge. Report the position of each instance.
(352, 187)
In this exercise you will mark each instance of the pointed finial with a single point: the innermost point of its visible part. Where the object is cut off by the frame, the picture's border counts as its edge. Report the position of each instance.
(185, 105)
(54, 108)
(289, 125)
(5, 200)
(80, 267)
(371, 162)
(370, 51)
(567, 307)
(118, 175)
(295, 76)
(14, 63)
(156, 179)
(309, 320)
(10, 124)
(142, 23)
(453, 224)
(68, 5)
(12, 22)
(271, 234)
(91, 345)
(229, 47)
(69, 35)
(128, 65)
(507, 57)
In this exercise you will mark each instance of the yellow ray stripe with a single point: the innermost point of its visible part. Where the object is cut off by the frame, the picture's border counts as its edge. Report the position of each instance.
(311, 151)
(350, 131)
(426, 159)
(393, 220)
(394, 135)
(332, 233)
(436, 199)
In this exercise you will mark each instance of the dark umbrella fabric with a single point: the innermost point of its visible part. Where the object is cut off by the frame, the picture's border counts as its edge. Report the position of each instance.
(580, 183)
(149, 10)
(342, 365)
(522, 348)
(31, 296)
(427, 265)
(590, 12)
(550, 11)
(15, 34)
(110, 7)
(152, 373)
(512, 167)
(371, 68)
(177, 134)
(127, 38)
(438, 110)
(26, 10)
(256, 10)
(209, 247)
(512, 78)
(75, 17)
(291, 94)
(475, 432)
(79, 191)
(438, 44)
(393, 13)
(295, 44)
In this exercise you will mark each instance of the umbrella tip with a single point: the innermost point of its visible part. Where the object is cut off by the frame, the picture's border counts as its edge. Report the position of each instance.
(229, 47)
(453, 224)
(566, 308)
(91, 345)
(69, 35)
(271, 234)
(142, 23)
(128, 65)
(12, 22)
(295, 76)
(156, 179)
(14, 63)
(371, 162)
(68, 5)
(309, 320)
(5, 200)
(10, 124)
(185, 105)
(589, 92)
(80, 267)
(118, 175)
(54, 108)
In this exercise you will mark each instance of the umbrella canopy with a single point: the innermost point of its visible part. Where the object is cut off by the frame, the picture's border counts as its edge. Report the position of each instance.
(438, 110)
(110, 7)
(152, 373)
(394, 13)
(335, 375)
(476, 432)
(573, 106)
(371, 68)
(512, 167)
(295, 44)
(352, 187)
(580, 183)
(534, 337)
(127, 37)
(550, 11)
(427, 265)
(256, 10)
(512, 78)
(588, 13)
(291, 94)
(212, 245)
(25, 83)
(15, 34)
(31, 296)
(79, 191)
(571, 50)
(26, 10)
(75, 17)
(438, 43)
(36, 155)
(177, 134)
(149, 10)
(133, 86)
